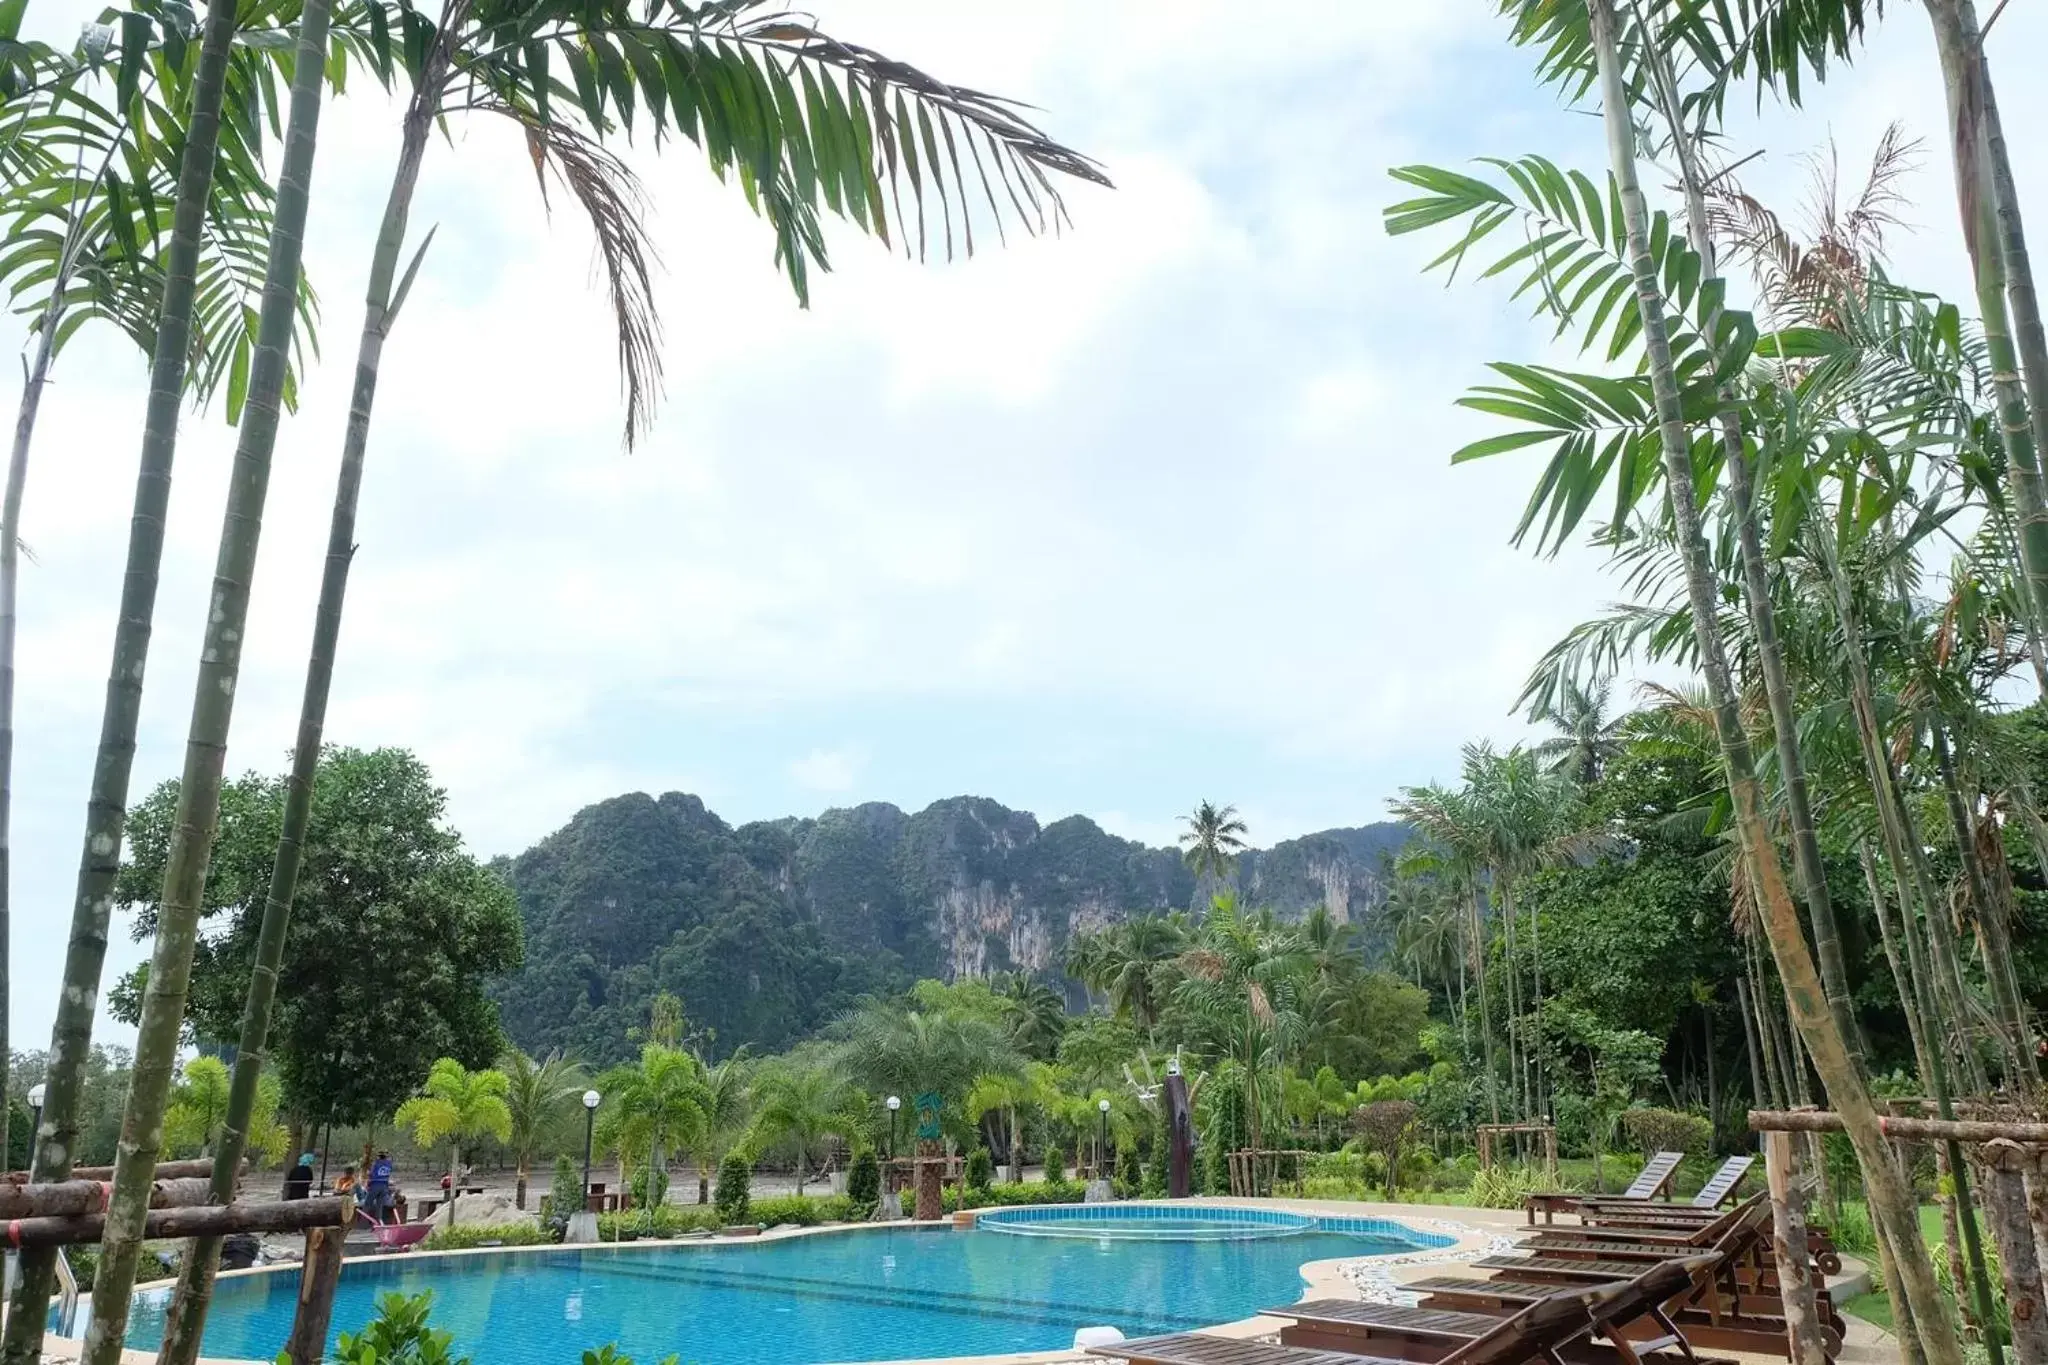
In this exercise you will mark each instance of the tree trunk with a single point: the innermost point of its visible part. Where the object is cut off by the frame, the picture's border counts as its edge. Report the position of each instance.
(214, 1219)
(165, 1170)
(1789, 1248)
(318, 1275)
(2005, 1207)
(1890, 1201)
(1967, 88)
(1756, 1066)
(1518, 1073)
(1485, 1004)
(454, 1179)
(163, 1006)
(92, 905)
(2019, 1054)
(1916, 1027)
(518, 1197)
(1806, 858)
(1952, 1241)
(1713, 1084)
(70, 1198)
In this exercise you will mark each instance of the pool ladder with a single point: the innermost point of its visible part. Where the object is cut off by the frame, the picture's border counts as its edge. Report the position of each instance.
(67, 1291)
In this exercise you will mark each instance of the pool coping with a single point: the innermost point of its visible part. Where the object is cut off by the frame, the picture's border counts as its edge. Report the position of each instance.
(1337, 1278)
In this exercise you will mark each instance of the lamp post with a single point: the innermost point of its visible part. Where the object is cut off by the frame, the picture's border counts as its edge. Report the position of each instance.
(590, 1102)
(895, 1103)
(35, 1123)
(1102, 1142)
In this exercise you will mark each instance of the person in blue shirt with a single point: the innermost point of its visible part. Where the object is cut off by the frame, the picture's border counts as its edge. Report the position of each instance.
(380, 1186)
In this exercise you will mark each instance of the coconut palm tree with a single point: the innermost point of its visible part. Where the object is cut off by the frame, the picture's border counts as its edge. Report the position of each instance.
(1588, 737)
(659, 1105)
(728, 1100)
(806, 1107)
(1038, 1016)
(1239, 978)
(889, 1050)
(1213, 838)
(537, 1093)
(163, 1005)
(1137, 958)
(457, 1106)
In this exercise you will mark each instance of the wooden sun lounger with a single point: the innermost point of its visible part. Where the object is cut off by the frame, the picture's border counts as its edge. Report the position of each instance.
(1628, 1315)
(1654, 1179)
(1720, 1189)
(1710, 1317)
(1676, 1240)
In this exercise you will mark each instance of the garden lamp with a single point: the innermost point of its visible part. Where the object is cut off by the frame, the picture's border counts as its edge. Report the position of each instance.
(35, 1123)
(1102, 1142)
(895, 1103)
(590, 1103)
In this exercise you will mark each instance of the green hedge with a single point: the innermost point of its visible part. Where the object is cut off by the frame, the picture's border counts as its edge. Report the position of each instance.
(670, 1220)
(1003, 1193)
(803, 1210)
(465, 1235)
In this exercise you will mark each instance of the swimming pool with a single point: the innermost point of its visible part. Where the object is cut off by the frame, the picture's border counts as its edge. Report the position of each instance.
(863, 1294)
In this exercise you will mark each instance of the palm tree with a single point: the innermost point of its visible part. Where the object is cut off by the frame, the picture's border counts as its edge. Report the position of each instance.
(1214, 837)
(1889, 1200)
(728, 1097)
(806, 1107)
(1136, 967)
(659, 1106)
(1038, 1016)
(1239, 978)
(1453, 847)
(1587, 738)
(92, 904)
(163, 1006)
(458, 1106)
(537, 1093)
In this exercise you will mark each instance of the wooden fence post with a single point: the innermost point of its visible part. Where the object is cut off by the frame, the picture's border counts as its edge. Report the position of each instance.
(307, 1344)
(2037, 1206)
(1789, 1244)
(2005, 1208)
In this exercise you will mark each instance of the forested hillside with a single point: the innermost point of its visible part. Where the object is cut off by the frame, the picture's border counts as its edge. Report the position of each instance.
(766, 930)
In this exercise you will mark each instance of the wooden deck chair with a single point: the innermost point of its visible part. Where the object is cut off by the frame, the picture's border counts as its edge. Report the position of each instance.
(1672, 1241)
(1715, 1312)
(1722, 1188)
(1654, 1179)
(1628, 1313)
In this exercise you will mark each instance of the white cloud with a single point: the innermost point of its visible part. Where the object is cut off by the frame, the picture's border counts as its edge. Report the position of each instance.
(1176, 477)
(828, 770)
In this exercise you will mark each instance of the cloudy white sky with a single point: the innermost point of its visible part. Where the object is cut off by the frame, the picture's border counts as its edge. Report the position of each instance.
(1156, 511)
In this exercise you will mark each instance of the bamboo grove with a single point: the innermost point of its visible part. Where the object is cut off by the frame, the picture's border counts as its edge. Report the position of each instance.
(1827, 507)
(159, 175)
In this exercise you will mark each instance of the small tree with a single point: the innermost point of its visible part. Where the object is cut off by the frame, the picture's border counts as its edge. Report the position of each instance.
(981, 1170)
(1160, 1176)
(1668, 1130)
(1055, 1166)
(735, 1176)
(1128, 1172)
(864, 1180)
(1385, 1126)
(565, 1191)
(455, 1106)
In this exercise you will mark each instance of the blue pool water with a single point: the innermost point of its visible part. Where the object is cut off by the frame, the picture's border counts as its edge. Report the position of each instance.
(868, 1294)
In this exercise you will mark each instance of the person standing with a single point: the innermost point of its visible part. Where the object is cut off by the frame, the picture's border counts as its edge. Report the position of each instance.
(299, 1182)
(380, 1186)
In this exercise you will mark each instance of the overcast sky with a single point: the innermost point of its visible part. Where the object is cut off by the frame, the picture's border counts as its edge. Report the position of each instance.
(1156, 511)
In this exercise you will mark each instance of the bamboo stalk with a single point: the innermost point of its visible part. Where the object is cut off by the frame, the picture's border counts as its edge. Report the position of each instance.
(284, 1215)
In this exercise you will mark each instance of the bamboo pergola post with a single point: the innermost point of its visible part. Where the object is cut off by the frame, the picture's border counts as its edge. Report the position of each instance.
(1806, 1346)
(307, 1344)
(2005, 1208)
(1550, 1153)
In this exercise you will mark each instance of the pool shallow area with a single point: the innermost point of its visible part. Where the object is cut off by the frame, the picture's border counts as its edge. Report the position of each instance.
(857, 1295)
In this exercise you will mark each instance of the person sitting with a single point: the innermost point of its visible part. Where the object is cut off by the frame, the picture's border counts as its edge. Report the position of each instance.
(345, 1183)
(298, 1182)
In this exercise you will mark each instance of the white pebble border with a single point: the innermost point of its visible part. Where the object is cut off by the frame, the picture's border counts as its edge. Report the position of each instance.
(1375, 1285)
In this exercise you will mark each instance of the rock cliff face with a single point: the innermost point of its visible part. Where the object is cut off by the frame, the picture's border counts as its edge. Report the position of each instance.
(768, 929)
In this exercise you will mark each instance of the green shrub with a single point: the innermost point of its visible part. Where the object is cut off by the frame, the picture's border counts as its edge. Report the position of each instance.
(1129, 1174)
(670, 1220)
(864, 1182)
(565, 1190)
(1943, 1277)
(609, 1354)
(1667, 1130)
(1505, 1187)
(1003, 1193)
(735, 1177)
(981, 1170)
(85, 1264)
(465, 1235)
(639, 1189)
(1055, 1165)
(1215, 1169)
(398, 1335)
(803, 1210)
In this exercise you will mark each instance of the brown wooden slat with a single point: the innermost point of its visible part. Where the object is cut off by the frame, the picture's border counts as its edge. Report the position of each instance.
(1433, 1322)
(1199, 1348)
